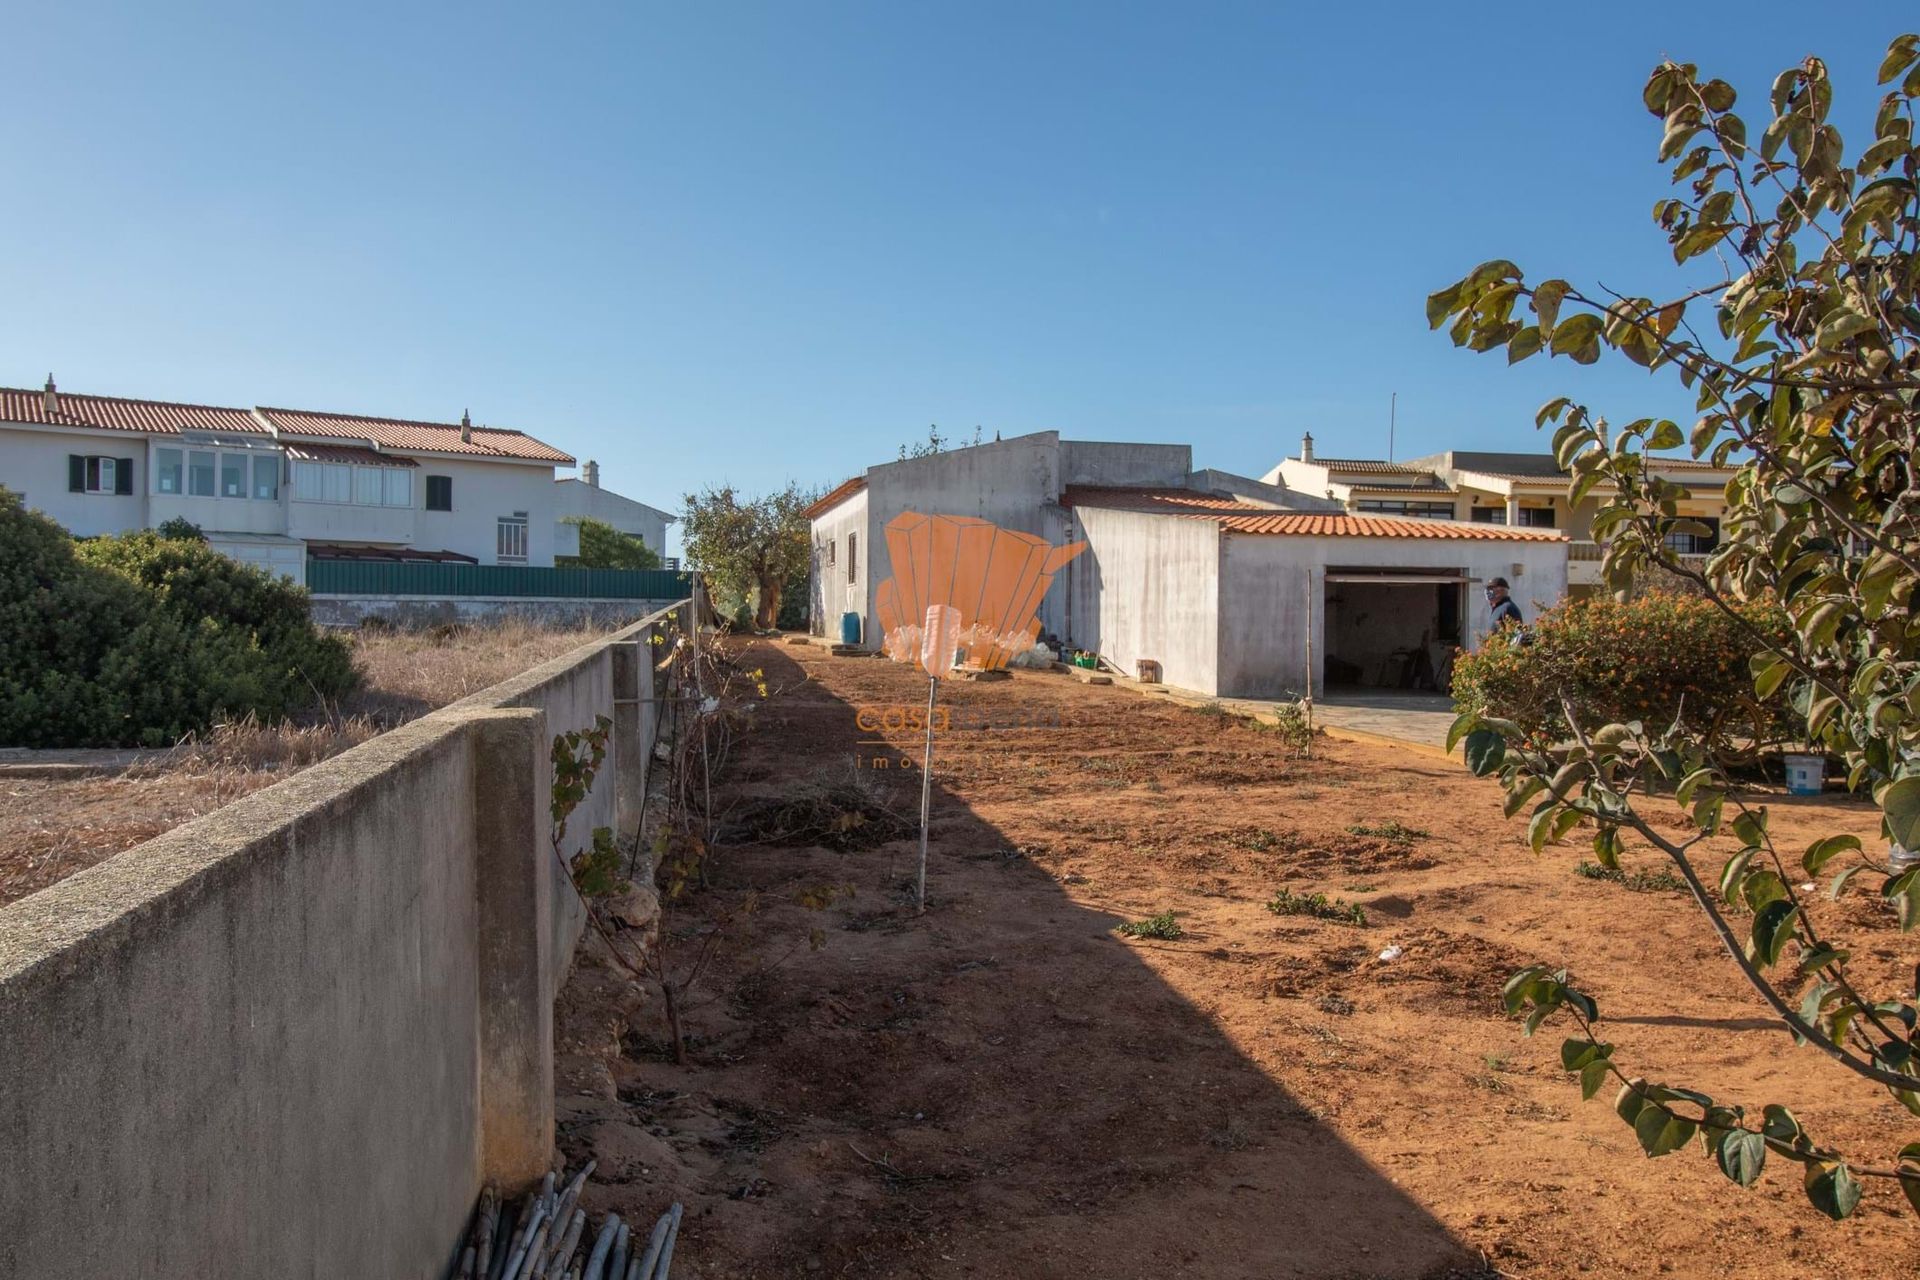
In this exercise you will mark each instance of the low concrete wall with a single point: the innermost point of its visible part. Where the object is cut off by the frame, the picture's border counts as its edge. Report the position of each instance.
(296, 1036)
(419, 612)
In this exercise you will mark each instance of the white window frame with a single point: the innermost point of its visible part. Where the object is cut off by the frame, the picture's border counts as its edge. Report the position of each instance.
(396, 487)
(510, 539)
(100, 474)
(244, 469)
(271, 464)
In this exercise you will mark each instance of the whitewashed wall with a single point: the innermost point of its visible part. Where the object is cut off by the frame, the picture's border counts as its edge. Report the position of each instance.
(34, 464)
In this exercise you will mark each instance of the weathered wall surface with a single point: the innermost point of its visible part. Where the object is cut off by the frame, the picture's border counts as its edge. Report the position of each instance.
(1148, 586)
(296, 1036)
(842, 548)
(416, 612)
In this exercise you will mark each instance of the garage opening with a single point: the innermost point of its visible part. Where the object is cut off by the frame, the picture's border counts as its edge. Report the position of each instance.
(1393, 628)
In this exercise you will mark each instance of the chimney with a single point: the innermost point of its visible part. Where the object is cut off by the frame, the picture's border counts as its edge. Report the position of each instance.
(50, 398)
(1306, 447)
(591, 474)
(466, 428)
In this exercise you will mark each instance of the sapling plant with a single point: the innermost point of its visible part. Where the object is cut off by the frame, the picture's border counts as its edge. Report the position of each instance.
(1800, 342)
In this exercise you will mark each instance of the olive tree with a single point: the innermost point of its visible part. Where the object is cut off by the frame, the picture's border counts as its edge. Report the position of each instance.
(1800, 341)
(749, 548)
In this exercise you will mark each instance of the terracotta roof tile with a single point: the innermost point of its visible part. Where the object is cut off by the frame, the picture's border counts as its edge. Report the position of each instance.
(111, 413)
(428, 437)
(834, 497)
(1309, 524)
(1366, 466)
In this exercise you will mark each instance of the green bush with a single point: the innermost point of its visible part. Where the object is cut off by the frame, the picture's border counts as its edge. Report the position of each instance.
(1653, 658)
(140, 639)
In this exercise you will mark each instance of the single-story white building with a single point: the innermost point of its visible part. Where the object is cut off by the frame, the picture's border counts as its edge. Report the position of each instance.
(274, 486)
(1220, 579)
(583, 498)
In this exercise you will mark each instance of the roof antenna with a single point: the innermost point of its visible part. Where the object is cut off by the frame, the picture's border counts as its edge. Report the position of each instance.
(1393, 413)
(466, 428)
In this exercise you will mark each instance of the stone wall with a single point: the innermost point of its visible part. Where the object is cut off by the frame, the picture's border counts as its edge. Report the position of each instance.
(296, 1036)
(421, 612)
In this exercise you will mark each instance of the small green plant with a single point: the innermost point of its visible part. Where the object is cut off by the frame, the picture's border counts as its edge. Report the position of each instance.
(1638, 881)
(1260, 840)
(1317, 905)
(577, 758)
(1209, 709)
(1290, 722)
(1392, 829)
(1163, 927)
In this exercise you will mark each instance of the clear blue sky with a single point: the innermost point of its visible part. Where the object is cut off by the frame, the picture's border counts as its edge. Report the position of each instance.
(760, 242)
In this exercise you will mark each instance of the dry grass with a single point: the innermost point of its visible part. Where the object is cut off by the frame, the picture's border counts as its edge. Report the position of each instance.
(50, 828)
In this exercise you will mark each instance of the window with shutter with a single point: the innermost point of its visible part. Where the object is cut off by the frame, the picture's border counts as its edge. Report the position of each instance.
(439, 493)
(123, 477)
(76, 473)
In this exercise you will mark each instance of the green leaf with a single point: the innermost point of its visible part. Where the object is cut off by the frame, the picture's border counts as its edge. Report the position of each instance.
(1592, 1076)
(1741, 1155)
(1546, 304)
(1900, 802)
(1462, 725)
(1821, 852)
(1840, 882)
(1523, 344)
(1628, 1103)
(1486, 748)
(1518, 797)
(1903, 891)
(1660, 1132)
(1441, 303)
(1832, 1188)
(1772, 926)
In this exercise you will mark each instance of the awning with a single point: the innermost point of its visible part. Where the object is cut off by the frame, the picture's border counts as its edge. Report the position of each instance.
(1400, 579)
(346, 453)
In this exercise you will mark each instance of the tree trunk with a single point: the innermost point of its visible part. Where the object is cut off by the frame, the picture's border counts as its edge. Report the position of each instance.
(769, 611)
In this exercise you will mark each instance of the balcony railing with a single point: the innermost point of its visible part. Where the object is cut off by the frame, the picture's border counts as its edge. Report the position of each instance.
(1583, 561)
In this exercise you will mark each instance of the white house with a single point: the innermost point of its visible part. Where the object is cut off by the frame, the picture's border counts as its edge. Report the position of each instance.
(274, 486)
(1220, 579)
(583, 498)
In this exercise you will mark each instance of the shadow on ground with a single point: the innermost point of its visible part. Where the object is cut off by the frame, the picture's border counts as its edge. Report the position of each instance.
(1001, 1088)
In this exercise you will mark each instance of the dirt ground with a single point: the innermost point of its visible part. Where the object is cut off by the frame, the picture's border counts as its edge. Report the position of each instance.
(1009, 1088)
(51, 827)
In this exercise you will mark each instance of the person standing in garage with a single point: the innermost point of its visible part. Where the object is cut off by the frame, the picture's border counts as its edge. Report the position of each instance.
(1505, 612)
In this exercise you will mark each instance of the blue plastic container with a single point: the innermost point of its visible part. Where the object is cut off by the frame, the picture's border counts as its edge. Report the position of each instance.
(850, 628)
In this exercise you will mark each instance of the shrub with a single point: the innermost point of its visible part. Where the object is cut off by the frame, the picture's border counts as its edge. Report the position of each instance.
(141, 639)
(1163, 927)
(1659, 656)
(1317, 905)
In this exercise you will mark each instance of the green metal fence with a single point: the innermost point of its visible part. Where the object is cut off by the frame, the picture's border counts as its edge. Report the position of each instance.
(377, 578)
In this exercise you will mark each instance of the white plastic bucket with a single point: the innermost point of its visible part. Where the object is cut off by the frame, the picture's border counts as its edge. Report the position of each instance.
(1806, 774)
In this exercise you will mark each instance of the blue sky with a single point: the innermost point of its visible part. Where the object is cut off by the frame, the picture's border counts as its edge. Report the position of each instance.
(767, 242)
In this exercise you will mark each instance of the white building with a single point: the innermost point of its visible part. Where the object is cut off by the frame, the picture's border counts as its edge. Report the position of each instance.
(583, 498)
(273, 486)
(1220, 579)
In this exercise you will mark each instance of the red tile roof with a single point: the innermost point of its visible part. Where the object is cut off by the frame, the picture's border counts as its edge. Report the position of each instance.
(834, 497)
(1245, 517)
(347, 453)
(1311, 524)
(428, 437)
(1365, 466)
(111, 413)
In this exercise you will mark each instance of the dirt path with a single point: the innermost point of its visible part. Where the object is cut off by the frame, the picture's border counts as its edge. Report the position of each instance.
(1007, 1088)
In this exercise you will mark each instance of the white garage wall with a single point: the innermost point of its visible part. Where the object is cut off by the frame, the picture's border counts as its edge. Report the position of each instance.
(1148, 586)
(1269, 583)
(835, 591)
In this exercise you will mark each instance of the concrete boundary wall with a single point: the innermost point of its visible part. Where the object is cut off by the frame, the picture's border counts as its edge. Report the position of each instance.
(297, 1036)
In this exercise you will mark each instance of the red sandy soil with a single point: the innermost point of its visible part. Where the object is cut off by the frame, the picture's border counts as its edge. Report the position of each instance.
(1008, 1088)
